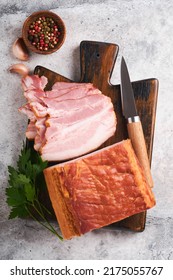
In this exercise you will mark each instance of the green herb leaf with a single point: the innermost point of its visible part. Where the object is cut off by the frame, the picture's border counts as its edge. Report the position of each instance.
(22, 179)
(13, 175)
(15, 196)
(18, 211)
(24, 157)
(30, 192)
(25, 182)
(29, 170)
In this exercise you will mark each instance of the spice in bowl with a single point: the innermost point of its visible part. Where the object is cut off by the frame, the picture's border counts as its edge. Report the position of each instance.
(43, 33)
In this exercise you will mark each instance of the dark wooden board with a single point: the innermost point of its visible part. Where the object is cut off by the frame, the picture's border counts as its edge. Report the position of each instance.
(97, 61)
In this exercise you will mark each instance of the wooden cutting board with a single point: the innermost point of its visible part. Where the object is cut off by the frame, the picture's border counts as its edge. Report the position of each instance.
(97, 61)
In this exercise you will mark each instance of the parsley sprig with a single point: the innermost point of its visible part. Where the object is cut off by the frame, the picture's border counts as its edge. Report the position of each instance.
(25, 183)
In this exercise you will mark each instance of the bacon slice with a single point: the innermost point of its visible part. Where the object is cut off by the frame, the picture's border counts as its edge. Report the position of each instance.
(72, 135)
(31, 131)
(34, 82)
(99, 189)
(40, 136)
(70, 120)
(27, 110)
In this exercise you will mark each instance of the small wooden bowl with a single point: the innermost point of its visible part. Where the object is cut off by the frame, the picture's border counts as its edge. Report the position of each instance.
(33, 17)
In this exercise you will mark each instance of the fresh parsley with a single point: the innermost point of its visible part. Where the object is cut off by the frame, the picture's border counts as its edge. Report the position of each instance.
(25, 183)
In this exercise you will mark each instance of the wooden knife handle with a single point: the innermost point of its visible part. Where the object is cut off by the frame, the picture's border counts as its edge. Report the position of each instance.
(136, 135)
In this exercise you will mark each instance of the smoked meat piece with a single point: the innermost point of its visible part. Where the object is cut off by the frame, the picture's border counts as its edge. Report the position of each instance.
(98, 189)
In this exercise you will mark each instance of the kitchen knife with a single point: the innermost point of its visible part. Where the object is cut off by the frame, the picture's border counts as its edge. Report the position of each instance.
(134, 126)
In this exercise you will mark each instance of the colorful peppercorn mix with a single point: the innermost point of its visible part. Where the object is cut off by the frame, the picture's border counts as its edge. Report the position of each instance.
(43, 33)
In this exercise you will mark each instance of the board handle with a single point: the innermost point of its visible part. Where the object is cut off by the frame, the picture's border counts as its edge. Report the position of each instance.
(97, 62)
(136, 136)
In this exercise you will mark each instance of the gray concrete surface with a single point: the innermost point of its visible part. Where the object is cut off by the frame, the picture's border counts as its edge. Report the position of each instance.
(143, 31)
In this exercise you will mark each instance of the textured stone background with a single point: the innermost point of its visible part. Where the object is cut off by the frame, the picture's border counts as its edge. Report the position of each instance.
(142, 29)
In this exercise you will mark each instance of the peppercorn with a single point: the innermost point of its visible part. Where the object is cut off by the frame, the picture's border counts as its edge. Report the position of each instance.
(30, 38)
(43, 33)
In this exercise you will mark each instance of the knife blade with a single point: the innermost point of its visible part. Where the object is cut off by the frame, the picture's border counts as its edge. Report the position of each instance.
(134, 126)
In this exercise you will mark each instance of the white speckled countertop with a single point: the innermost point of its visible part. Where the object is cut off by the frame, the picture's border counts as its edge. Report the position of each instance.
(142, 29)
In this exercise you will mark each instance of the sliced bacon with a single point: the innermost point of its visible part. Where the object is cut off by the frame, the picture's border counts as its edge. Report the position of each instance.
(70, 120)
(65, 142)
(74, 93)
(31, 131)
(40, 136)
(27, 110)
(34, 95)
(66, 86)
(34, 82)
(54, 108)
(83, 113)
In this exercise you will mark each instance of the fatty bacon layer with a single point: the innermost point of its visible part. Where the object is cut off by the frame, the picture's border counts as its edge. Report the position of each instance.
(69, 121)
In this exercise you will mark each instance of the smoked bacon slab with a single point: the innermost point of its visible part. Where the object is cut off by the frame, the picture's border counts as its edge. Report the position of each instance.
(98, 189)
